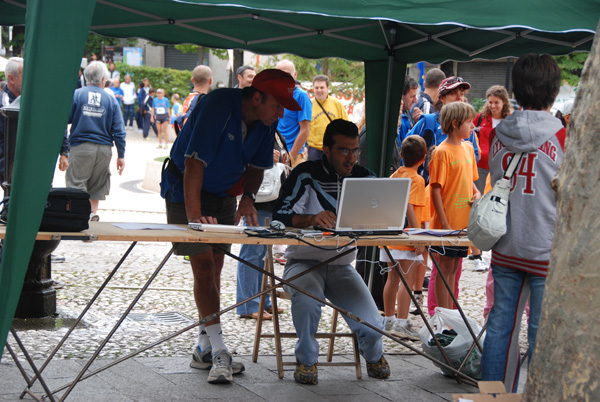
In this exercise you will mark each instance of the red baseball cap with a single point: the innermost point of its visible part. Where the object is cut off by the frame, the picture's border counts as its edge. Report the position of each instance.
(279, 85)
(452, 82)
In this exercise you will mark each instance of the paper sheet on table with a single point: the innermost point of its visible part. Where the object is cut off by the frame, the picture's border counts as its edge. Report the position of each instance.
(147, 226)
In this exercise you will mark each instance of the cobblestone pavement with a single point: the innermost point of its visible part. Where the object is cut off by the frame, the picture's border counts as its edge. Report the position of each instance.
(88, 264)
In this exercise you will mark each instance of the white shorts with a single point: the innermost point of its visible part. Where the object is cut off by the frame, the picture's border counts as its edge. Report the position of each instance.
(400, 255)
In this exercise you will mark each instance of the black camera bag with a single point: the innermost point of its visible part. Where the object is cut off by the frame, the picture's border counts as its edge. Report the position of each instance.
(67, 210)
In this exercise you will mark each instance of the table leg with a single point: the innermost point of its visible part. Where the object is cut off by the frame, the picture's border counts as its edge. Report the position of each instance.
(80, 317)
(115, 327)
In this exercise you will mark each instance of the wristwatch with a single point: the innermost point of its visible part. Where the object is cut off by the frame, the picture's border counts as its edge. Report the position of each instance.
(251, 195)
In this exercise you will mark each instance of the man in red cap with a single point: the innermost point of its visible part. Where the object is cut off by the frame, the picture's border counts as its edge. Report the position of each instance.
(221, 153)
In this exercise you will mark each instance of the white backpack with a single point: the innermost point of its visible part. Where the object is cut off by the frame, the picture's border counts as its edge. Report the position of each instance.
(271, 184)
(487, 219)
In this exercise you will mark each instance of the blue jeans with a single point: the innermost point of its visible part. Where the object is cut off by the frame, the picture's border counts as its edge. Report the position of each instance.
(128, 114)
(501, 358)
(249, 280)
(344, 287)
(314, 154)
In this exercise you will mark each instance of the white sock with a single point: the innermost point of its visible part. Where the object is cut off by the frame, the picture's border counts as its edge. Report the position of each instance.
(391, 318)
(402, 321)
(215, 334)
(203, 340)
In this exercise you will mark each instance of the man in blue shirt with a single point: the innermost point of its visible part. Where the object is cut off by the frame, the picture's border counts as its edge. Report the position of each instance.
(295, 126)
(221, 153)
(116, 88)
(96, 124)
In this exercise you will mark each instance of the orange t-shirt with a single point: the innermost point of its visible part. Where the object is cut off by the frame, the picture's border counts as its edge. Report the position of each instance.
(488, 184)
(188, 100)
(454, 168)
(426, 217)
(416, 196)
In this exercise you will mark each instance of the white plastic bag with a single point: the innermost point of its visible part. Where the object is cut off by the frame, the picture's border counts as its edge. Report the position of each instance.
(457, 350)
(271, 184)
(487, 219)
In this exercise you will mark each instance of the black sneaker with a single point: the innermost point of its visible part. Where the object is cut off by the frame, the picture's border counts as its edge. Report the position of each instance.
(304, 374)
(380, 369)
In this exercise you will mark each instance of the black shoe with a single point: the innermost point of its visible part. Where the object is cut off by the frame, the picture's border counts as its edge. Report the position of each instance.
(380, 369)
(304, 374)
(426, 283)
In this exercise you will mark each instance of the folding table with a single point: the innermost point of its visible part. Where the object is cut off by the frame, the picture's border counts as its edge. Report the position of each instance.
(105, 231)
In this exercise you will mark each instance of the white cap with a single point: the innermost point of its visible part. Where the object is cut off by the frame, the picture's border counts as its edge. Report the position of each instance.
(567, 107)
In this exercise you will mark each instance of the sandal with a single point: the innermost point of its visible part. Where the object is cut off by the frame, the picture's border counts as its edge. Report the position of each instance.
(254, 316)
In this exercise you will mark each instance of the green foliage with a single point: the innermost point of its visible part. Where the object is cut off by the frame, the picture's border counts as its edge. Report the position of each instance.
(222, 54)
(189, 48)
(172, 81)
(94, 43)
(477, 104)
(350, 74)
(17, 41)
(571, 66)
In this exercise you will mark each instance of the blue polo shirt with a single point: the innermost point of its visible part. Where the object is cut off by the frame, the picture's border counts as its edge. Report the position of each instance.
(117, 91)
(213, 135)
(288, 126)
(161, 106)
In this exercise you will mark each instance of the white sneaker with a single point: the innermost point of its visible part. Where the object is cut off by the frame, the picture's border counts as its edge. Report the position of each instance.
(221, 371)
(479, 265)
(389, 325)
(405, 331)
(203, 360)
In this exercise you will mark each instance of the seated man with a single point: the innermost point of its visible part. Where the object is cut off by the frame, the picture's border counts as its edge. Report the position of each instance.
(309, 198)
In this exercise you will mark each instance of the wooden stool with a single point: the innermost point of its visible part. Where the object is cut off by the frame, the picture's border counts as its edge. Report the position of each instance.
(277, 335)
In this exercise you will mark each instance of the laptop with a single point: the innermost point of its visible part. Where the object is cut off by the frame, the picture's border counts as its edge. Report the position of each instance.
(372, 206)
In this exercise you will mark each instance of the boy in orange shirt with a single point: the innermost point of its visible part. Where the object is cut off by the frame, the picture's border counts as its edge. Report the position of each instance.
(452, 173)
(413, 152)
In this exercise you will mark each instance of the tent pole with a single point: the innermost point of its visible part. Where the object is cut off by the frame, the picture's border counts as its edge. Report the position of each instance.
(386, 113)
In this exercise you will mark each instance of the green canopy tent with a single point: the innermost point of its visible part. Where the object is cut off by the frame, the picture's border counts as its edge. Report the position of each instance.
(385, 36)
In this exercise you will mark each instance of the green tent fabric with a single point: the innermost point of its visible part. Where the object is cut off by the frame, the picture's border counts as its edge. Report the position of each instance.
(43, 118)
(428, 30)
(385, 36)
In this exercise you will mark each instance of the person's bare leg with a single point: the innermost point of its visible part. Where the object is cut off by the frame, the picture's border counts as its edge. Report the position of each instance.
(94, 204)
(389, 292)
(441, 293)
(206, 268)
(409, 270)
(159, 134)
(455, 267)
(165, 130)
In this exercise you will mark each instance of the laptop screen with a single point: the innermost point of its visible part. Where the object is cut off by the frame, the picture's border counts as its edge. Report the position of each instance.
(368, 204)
